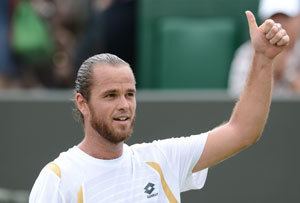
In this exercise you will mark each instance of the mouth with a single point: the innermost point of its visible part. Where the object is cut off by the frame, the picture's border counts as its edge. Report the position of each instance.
(122, 118)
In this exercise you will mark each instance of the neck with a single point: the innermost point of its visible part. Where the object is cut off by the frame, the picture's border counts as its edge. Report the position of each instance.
(98, 147)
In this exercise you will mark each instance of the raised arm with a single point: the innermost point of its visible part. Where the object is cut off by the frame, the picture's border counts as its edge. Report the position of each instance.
(251, 111)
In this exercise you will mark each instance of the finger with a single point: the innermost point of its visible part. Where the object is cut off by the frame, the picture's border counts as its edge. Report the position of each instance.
(276, 27)
(251, 21)
(284, 41)
(267, 26)
(278, 36)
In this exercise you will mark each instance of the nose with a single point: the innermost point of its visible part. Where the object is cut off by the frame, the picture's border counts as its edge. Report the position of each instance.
(123, 103)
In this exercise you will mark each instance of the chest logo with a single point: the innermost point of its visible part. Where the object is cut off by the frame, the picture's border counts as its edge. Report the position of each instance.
(149, 188)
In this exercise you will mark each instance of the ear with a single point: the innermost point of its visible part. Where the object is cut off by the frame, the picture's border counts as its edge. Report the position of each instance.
(81, 104)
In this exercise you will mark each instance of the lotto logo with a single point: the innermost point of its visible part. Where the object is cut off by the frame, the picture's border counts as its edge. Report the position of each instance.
(149, 188)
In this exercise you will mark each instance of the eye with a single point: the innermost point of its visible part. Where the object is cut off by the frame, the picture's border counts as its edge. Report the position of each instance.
(131, 94)
(110, 95)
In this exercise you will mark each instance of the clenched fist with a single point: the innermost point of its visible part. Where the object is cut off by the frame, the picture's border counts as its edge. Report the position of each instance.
(268, 39)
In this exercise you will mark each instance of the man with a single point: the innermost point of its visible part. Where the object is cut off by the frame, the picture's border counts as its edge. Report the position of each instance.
(287, 64)
(104, 169)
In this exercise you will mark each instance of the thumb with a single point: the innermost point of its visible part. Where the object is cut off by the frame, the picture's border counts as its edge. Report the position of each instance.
(251, 22)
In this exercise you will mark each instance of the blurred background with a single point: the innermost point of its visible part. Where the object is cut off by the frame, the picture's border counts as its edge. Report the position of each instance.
(169, 44)
(190, 58)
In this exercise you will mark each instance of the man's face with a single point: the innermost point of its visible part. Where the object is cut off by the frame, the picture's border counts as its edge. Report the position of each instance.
(112, 102)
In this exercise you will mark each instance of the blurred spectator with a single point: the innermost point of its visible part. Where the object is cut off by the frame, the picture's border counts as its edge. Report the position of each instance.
(43, 37)
(67, 24)
(287, 64)
(111, 29)
(32, 45)
(7, 70)
(49, 39)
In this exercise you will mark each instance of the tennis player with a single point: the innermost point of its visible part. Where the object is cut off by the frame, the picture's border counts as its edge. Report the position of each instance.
(102, 168)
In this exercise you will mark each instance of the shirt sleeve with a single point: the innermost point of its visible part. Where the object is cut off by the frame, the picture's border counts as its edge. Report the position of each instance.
(182, 155)
(46, 188)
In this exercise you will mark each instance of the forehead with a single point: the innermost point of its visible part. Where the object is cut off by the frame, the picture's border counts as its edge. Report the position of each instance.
(105, 75)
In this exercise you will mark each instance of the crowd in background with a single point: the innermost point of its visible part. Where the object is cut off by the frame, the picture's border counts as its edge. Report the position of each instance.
(43, 42)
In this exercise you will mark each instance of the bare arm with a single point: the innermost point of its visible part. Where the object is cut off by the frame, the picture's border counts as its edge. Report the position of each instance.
(251, 111)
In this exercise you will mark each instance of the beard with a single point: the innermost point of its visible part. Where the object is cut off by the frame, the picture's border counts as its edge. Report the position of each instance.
(109, 133)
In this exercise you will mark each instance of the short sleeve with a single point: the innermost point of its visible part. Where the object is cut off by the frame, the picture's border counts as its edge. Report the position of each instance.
(182, 154)
(46, 188)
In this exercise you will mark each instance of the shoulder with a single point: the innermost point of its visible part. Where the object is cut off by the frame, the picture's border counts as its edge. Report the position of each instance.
(66, 168)
(58, 180)
(47, 185)
(145, 150)
(54, 168)
(69, 166)
(166, 148)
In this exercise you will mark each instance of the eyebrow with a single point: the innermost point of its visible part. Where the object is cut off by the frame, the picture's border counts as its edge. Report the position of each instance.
(132, 90)
(116, 91)
(110, 91)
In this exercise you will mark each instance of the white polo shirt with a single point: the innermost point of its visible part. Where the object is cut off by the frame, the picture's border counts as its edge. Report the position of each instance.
(148, 172)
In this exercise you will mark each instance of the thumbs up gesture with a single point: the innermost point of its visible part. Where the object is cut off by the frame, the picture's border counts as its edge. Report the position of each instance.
(268, 39)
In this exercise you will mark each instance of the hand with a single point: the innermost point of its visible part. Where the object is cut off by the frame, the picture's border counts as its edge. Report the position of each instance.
(269, 39)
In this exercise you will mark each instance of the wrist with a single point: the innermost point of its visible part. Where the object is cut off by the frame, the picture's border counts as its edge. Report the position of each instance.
(261, 58)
